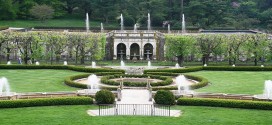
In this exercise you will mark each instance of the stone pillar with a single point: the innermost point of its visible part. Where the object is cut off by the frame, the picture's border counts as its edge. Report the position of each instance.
(154, 51)
(115, 50)
(128, 51)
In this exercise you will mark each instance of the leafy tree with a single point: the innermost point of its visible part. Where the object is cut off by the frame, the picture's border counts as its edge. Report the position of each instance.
(7, 10)
(42, 12)
(179, 46)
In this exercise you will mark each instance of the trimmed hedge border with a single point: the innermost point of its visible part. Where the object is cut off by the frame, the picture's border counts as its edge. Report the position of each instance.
(46, 102)
(166, 80)
(213, 68)
(181, 70)
(202, 81)
(74, 68)
(225, 103)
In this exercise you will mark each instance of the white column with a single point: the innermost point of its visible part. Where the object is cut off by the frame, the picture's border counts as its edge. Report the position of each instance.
(115, 50)
(154, 51)
(128, 50)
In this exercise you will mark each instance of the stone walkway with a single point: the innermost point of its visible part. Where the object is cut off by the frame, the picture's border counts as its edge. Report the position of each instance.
(135, 102)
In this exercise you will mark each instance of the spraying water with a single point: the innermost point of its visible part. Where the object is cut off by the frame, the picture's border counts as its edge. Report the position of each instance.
(8, 63)
(4, 87)
(268, 89)
(92, 83)
(93, 65)
(87, 23)
(169, 30)
(177, 66)
(122, 64)
(149, 64)
(135, 28)
(183, 86)
(183, 24)
(65, 63)
(122, 22)
(149, 23)
(37, 63)
(102, 28)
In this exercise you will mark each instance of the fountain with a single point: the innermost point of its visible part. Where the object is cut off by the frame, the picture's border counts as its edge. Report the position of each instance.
(87, 23)
(92, 84)
(135, 28)
(233, 65)
(4, 87)
(65, 63)
(205, 65)
(149, 65)
(122, 64)
(93, 64)
(183, 24)
(122, 22)
(149, 23)
(262, 65)
(177, 66)
(37, 63)
(169, 30)
(102, 28)
(183, 86)
(8, 63)
(268, 89)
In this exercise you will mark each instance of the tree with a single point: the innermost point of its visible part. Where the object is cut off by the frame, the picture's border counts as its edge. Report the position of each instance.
(7, 10)
(179, 46)
(42, 12)
(207, 43)
(235, 43)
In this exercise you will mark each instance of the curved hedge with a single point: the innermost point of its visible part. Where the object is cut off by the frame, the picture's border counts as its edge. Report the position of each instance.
(202, 82)
(166, 80)
(46, 102)
(225, 103)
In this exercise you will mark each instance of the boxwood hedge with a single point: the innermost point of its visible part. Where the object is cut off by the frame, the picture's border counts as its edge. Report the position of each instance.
(46, 102)
(166, 80)
(225, 103)
(74, 68)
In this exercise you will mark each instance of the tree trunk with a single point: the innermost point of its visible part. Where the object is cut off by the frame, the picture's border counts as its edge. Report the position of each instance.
(229, 57)
(82, 55)
(255, 59)
(180, 60)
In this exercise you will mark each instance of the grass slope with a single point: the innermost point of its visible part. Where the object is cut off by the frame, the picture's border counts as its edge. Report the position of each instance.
(38, 80)
(242, 82)
(71, 115)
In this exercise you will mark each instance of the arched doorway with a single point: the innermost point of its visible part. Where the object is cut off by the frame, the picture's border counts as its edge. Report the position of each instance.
(121, 50)
(134, 51)
(148, 50)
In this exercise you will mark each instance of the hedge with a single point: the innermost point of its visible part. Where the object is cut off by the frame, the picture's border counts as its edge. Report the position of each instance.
(74, 68)
(225, 103)
(46, 102)
(166, 80)
(181, 70)
(202, 82)
(237, 68)
(213, 68)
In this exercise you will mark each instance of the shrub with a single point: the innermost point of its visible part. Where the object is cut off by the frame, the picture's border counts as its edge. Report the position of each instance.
(104, 97)
(164, 97)
(46, 102)
(225, 103)
(181, 70)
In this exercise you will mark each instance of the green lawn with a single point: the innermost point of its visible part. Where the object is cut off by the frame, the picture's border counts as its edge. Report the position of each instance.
(242, 82)
(76, 115)
(52, 23)
(42, 80)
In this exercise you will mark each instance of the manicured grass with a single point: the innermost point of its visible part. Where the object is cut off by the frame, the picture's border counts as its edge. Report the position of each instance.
(238, 82)
(41, 80)
(77, 115)
(52, 23)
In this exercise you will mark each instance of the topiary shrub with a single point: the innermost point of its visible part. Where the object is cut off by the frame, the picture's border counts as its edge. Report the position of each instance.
(164, 97)
(104, 97)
